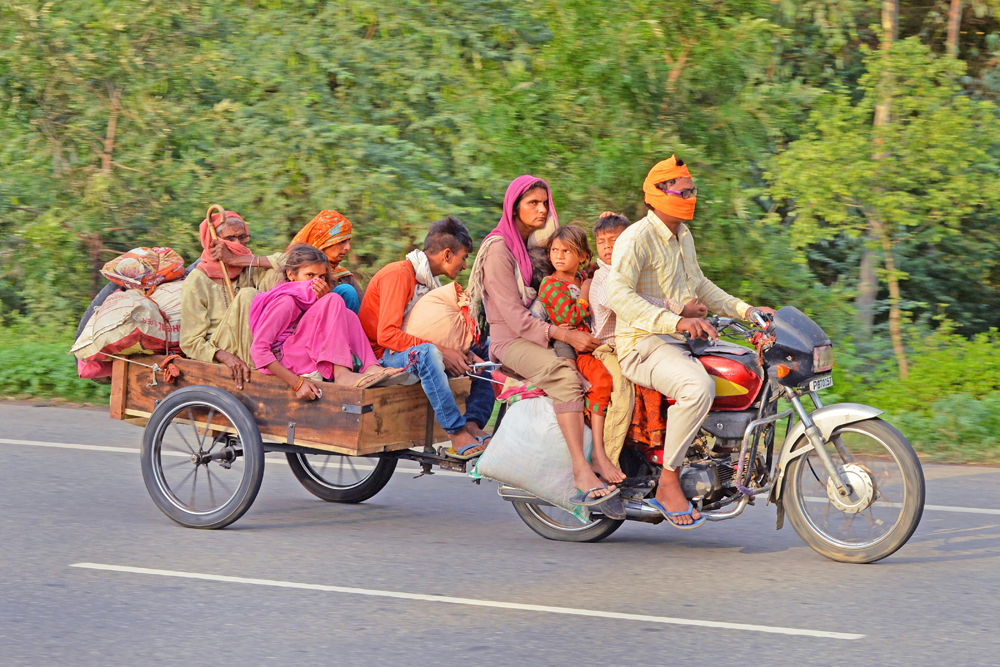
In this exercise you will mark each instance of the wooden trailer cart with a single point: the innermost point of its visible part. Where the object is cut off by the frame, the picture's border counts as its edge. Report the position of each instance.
(204, 442)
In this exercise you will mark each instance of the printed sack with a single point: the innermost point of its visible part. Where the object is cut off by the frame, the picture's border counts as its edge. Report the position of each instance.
(126, 323)
(529, 452)
(144, 268)
(167, 298)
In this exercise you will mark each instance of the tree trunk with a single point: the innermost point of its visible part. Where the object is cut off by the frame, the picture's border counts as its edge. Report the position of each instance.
(867, 292)
(876, 229)
(894, 308)
(954, 24)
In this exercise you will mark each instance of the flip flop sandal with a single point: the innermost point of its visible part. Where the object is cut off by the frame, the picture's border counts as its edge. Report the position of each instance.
(460, 453)
(386, 377)
(655, 504)
(583, 499)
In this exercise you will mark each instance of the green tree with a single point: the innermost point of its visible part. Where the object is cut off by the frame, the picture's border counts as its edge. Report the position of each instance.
(938, 161)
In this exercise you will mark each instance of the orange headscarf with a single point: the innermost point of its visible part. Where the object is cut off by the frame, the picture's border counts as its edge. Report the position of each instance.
(209, 266)
(675, 206)
(326, 229)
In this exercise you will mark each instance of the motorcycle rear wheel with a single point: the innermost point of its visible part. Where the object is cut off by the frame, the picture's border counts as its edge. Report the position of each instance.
(896, 489)
(553, 523)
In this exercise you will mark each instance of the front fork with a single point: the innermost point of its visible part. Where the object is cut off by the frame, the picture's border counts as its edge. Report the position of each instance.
(815, 437)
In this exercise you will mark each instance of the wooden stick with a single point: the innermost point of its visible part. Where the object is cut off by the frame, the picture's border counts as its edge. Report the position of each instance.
(215, 237)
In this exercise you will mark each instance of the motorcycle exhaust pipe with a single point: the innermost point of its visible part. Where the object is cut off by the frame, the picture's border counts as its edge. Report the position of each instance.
(640, 511)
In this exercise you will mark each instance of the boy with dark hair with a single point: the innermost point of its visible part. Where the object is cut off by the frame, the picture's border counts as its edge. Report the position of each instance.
(391, 294)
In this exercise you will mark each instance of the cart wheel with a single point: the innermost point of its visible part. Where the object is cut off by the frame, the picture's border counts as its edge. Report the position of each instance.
(198, 476)
(342, 479)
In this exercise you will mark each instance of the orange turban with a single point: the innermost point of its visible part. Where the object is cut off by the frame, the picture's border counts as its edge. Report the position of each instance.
(326, 229)
(675, 206)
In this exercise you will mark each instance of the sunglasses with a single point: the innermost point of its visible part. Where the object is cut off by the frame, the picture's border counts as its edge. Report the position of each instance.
(685, 194)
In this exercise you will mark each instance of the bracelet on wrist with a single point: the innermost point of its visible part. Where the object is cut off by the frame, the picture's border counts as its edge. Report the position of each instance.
(299, 385)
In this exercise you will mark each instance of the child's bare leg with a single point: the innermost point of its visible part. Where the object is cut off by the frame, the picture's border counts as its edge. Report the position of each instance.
(602, 465)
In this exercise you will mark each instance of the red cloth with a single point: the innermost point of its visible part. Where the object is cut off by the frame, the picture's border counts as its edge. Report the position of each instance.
(560, 305)
(384, 305)
(649, 420)
(209, 266)
(598, 397)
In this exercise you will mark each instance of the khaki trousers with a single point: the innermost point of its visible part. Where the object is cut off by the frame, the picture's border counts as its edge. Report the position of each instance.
(665, 364)
(556, 376)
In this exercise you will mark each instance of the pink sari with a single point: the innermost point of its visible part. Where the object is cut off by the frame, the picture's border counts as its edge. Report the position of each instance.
(306, 335)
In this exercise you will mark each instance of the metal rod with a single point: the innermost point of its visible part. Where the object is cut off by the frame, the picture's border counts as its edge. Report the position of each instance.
(815, 437)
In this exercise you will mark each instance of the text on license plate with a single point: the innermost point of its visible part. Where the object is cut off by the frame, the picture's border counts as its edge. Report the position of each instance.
(824, 382)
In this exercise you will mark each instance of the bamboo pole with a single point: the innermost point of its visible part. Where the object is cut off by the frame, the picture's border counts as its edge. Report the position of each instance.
(211, 231)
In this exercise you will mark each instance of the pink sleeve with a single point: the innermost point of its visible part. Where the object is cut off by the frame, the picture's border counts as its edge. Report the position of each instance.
(279, 316)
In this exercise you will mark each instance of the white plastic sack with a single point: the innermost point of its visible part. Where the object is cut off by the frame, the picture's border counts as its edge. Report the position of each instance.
(168, 298)
(528, 451)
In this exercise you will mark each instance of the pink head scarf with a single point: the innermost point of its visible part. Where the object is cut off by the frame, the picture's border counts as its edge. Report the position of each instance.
(507, 228)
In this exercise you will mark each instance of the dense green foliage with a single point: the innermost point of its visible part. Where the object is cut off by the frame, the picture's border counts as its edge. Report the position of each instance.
(122, 120)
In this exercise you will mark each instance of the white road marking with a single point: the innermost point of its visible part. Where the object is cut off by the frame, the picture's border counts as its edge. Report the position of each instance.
(131, 450)
(568, 611)
(936, 508)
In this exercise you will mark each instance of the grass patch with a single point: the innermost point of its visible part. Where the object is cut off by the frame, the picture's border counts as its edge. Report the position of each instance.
(37, 364)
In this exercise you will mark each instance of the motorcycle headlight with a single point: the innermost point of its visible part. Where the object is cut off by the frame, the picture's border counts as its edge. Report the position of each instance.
(822, 358)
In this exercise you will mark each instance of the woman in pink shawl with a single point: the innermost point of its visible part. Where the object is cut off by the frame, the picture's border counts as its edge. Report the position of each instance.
(500, 283)
(304, 334)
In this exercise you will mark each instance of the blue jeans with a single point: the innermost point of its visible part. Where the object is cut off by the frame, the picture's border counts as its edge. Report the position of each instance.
(349, 295)
(434, 380)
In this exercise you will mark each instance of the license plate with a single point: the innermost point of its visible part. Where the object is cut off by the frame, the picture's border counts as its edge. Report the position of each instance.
(824, 382)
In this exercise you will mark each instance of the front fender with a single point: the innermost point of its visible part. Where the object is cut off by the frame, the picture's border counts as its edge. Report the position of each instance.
(827, 419)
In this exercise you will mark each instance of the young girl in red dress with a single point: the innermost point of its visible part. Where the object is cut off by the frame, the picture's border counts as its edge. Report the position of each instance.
(563, 294)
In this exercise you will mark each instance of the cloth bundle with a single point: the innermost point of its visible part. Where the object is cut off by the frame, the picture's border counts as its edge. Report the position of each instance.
(441, 316)
(144, 268)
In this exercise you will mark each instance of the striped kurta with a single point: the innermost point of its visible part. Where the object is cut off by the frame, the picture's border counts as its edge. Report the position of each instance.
(649, 259)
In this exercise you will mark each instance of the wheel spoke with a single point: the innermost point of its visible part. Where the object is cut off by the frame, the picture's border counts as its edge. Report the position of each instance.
(186, 478)
(208, 425)
(194, 427)
(211, 491)
(194, 486)
(178, 429)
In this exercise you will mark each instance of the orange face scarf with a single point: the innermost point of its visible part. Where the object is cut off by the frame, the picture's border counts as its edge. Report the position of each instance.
(209, 266)
(671, 205)
(326, 229)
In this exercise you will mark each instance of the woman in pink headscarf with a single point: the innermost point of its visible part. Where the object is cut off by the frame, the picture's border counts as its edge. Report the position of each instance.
(499, 285)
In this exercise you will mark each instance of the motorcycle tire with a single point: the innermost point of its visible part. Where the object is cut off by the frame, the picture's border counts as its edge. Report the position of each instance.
(910, 473)
(537, 519)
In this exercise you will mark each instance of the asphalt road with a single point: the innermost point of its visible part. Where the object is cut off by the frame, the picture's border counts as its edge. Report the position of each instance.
(301, 582)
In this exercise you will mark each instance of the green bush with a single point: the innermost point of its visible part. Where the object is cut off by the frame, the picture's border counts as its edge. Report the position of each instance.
(37, 364)
(959, 428)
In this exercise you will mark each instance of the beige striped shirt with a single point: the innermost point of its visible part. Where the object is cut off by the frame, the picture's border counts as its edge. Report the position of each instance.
(649, 259)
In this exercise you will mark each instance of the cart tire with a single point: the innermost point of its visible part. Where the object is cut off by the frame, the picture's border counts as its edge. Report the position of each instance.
(326, 485)
(234, 459)
(562, 529)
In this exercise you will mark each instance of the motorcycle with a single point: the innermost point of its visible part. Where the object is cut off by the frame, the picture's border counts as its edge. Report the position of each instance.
(849, 483)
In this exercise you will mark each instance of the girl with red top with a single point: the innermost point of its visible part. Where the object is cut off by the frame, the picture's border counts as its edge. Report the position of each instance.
(563, 293)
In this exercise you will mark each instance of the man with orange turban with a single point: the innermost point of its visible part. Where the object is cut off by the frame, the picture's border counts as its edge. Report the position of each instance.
(656, 257)
(331, 232)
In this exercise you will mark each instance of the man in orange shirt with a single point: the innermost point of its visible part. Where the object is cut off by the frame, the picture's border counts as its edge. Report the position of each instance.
(391, 294)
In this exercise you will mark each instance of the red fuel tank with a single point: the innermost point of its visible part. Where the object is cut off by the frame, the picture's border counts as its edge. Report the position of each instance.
(738, 379)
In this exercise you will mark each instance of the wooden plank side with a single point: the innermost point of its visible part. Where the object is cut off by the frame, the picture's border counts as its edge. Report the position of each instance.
(396, 420)
(399, 416)
(119, 372)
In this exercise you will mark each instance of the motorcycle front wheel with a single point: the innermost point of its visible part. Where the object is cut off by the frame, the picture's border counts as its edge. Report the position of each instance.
(553, 523)
(884, 506)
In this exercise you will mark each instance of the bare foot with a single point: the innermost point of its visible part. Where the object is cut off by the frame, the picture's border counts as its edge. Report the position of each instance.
(473, 429)
(671, 496)
(584, 479)
(607, 470)
(463, 439)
